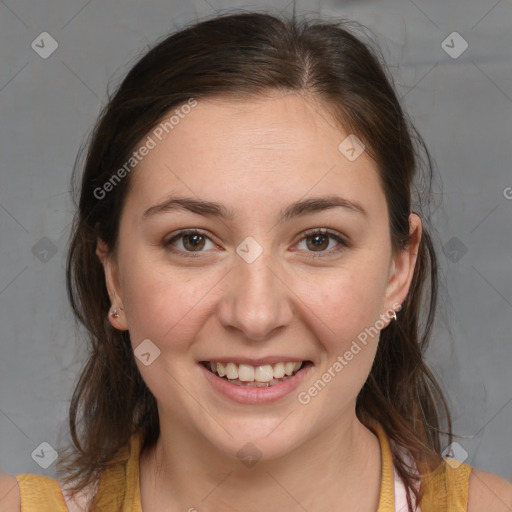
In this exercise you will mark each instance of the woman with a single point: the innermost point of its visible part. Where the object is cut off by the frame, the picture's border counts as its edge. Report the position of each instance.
(257, 287)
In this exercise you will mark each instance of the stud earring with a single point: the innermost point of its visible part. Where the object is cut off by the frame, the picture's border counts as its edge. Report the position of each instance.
(393, 316)
(114, 313)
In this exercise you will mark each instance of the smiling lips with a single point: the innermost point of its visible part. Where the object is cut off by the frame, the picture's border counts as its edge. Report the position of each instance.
(259, 376)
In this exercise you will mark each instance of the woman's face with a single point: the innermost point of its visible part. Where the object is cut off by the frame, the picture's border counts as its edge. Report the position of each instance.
(259, 285)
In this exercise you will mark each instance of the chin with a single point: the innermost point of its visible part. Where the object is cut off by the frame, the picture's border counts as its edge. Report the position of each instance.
(251, 441)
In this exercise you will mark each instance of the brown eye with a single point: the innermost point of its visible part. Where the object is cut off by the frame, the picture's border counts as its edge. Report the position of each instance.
(188, 241)
(193, 242)
(319, 240)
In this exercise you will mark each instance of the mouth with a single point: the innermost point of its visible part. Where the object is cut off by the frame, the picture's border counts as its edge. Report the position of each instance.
(261, 376)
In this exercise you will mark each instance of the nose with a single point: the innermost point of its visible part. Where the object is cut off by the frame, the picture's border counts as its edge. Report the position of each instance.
(257, 301)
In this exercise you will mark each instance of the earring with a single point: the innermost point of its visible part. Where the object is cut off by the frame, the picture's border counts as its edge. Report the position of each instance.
(114, 313)
(393, 316)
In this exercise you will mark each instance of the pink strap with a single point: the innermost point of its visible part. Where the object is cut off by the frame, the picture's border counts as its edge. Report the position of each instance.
(400, 492)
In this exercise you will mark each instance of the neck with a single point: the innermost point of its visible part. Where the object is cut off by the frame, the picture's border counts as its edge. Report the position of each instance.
(338, 469)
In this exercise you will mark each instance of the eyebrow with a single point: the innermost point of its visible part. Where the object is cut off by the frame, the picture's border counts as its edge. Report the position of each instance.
(212, 209)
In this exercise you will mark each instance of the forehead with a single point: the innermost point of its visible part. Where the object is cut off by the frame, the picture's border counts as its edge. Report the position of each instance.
(256, 151)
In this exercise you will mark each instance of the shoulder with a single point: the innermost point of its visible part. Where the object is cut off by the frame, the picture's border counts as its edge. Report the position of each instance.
(489, 492)
(10, 499)
(36, 493)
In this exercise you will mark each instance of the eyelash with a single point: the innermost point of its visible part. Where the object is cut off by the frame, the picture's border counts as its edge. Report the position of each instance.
(308, 234)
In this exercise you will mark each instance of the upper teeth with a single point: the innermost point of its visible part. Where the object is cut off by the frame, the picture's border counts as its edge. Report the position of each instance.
(249, 373)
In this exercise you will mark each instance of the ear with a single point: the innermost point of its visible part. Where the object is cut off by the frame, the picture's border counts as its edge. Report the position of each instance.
(402, 266)
(112, 280)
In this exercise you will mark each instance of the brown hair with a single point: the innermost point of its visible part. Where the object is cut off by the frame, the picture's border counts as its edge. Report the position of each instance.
(246, 55)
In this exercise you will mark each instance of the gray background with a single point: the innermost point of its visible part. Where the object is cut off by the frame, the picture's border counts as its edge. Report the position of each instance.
(462, 106)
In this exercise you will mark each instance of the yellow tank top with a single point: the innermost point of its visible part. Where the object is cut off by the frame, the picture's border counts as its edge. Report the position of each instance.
(446, 489)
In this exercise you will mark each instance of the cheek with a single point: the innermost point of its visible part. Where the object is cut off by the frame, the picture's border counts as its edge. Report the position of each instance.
(164, 304)
(343, 314)
(345, 300)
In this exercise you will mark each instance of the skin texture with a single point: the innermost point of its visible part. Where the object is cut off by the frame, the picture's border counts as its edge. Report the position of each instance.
(256, 158)
(10, 499)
